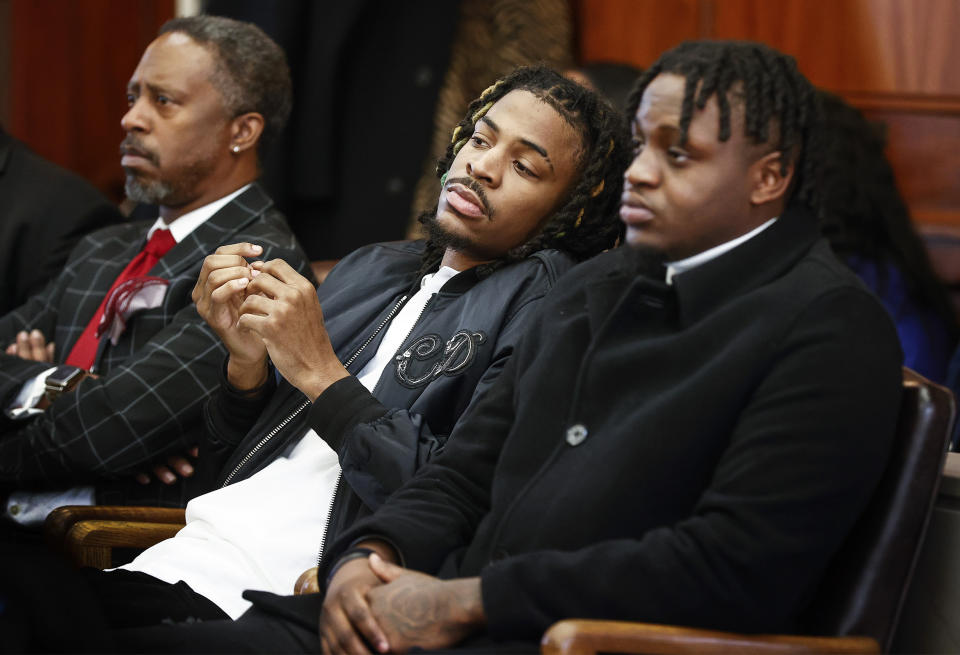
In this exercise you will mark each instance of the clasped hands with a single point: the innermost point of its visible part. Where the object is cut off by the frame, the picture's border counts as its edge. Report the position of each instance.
(262, 308)
(373, 602)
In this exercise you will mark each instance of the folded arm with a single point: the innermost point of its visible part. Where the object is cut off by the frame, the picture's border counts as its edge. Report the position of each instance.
(109, 425)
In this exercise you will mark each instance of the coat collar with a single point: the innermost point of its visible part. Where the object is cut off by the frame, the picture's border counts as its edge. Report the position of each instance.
(231, 219)
(465, 280)
(702, 290)
(628, 271)
(752, 264)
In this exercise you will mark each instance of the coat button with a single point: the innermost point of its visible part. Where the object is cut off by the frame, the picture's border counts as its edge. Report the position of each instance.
(500, 554)
(576, 434)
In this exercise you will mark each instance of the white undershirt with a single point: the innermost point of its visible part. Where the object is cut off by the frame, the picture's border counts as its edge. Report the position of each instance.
(264, 531)
(181, 227)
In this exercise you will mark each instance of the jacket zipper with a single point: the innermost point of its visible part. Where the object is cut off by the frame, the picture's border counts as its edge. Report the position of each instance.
(326, 524)
(336, 487)
(373, 336)
(414, 325)
(261, 443)
(299, 409)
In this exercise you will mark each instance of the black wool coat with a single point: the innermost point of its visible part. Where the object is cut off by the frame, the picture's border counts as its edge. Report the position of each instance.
(690, 453)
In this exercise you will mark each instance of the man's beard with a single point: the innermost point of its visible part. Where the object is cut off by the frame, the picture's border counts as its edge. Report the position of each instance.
(150, 192)
(444, 238)
(173, 191)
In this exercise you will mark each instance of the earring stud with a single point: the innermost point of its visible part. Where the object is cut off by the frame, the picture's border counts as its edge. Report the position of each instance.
(236, 149)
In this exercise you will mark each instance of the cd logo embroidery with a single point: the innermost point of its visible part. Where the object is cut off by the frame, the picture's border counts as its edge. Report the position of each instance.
(454, 356)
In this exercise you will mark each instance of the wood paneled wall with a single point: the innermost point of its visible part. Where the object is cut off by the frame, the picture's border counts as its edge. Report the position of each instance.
(898, 60)
(70, 62)
(4, 61)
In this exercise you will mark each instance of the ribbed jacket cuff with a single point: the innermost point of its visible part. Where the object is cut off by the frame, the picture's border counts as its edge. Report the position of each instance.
(345, 404)
(232, 411)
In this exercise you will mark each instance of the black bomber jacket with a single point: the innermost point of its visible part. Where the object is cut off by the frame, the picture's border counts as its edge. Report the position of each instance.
(455, 351)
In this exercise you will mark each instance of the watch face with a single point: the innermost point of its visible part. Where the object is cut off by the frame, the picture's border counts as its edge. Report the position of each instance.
(63, 375)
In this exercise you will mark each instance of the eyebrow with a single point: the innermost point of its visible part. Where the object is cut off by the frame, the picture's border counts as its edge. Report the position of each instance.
(159, 89)
(155, 89)
(668, 132)
(527, 142)
(661, 127)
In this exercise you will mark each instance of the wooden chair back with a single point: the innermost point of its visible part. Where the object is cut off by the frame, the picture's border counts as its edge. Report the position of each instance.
(864, 588)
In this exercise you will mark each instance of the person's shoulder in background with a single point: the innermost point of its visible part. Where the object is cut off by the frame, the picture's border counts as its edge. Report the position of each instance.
(45, 210)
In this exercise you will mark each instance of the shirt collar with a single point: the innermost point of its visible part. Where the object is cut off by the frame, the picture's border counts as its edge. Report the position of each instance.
(184, 225)
(683, 265)
(752, 264)
(433, 281)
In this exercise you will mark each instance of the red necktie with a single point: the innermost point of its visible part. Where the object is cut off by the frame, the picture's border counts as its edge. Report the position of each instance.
(85, 349)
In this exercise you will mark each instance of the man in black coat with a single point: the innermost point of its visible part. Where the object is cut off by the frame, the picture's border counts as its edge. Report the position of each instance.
(44, 211)
(686, 435)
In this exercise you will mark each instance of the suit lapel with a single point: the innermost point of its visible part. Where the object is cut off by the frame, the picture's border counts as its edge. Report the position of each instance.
(630, 266)
(230, 220)
(601, 296)
(114, 254)
(93, 278)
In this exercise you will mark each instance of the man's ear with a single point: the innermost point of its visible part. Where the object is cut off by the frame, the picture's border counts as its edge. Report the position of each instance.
(245, 131)
(769, 179)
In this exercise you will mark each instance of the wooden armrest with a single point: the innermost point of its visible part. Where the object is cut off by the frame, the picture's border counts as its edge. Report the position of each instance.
(588, 637)
(88, 533)
(89, 543)
(61, 520)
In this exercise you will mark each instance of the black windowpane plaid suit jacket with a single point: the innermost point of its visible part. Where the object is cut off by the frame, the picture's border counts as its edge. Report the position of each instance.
(154, 380)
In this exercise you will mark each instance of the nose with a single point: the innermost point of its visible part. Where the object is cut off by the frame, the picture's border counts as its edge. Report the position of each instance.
(643, 170)
(486, 166)
(135, 119)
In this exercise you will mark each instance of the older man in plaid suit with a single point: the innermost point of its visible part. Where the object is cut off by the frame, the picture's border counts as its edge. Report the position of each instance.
(109, 366)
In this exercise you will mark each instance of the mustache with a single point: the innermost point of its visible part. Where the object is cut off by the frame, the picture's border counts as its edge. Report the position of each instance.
(132, 146)
(474, 186)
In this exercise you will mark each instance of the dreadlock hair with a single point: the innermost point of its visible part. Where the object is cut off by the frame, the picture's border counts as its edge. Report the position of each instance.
(864, 214)
(779, 102)
(587, 223)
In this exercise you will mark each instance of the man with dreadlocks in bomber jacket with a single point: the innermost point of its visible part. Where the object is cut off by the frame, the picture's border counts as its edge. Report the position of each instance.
(333, 397)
